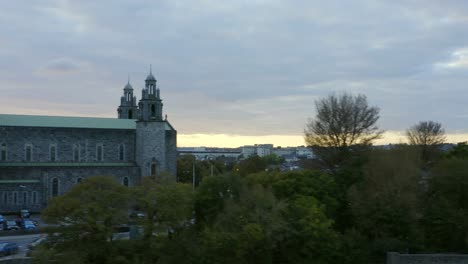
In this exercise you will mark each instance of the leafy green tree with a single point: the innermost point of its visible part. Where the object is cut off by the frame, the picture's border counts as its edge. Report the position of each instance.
(246, 230)
(446, 207)
(386, 204)
(266, 218)
(210, 196)
(273, 159)
(354, 248)
(87, 214)
(250, 165)
(187, 163)
(459, 151)
(310, 237)
(290, 185)
(166, 204)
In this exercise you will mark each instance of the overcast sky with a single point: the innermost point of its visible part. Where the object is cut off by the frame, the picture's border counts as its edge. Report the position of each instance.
(240, 72)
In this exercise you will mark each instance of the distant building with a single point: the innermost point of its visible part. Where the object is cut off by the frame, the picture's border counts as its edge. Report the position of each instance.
(290, 158)
(248, 151)
(264, 149)
(305, 152)
(261, 150)
(45, 156)
(203, 153)
(284, 151)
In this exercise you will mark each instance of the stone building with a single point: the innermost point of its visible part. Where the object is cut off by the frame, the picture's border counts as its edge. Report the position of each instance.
(44, 156)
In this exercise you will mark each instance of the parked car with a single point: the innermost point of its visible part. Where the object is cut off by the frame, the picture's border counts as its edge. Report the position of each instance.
(25, 213)
(137, 214)
(8, 248)
(11, 225)
(28, 225)
(2, 219)
(18, 220)
(121, 228)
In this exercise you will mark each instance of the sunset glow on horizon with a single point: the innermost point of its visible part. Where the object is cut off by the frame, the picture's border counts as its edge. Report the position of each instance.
(234, 141)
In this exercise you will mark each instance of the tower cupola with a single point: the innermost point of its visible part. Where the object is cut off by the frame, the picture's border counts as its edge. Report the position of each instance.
(128, 108)
(128, 87)
(150, 105)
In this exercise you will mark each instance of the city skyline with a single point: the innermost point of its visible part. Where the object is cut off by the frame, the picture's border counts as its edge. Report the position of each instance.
(239, 73)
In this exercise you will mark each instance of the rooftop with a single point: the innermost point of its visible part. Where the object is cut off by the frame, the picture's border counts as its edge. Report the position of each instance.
(66, 122)
(67, 164)
(70, 122)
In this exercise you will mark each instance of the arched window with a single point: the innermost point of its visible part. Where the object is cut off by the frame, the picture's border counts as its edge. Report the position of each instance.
(153, 169)
(130, 114)
(53, 153)
(121, 152)
(25, 197)
(125, 181)
(99, 153)
(153, 110)
(28, 152)
(15, 197)
(55, 187)
(76, 153)
(3, 155)
(34, 197)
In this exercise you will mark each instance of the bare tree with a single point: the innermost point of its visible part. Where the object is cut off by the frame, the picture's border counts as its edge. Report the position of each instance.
(341, 121)
(428, 135)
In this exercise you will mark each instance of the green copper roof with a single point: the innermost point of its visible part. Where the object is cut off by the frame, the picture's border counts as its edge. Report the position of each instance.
(19, 181)
(66, 121)
(67, 164)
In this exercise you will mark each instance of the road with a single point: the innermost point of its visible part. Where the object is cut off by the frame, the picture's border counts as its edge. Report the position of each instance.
(22, 241)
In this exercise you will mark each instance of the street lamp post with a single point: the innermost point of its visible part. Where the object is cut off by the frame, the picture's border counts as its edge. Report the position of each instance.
(193, 176)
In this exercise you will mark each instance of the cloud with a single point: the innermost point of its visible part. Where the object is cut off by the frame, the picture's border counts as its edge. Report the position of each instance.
(62, 66)
(459, 59)
(244, 67)
(68, 16)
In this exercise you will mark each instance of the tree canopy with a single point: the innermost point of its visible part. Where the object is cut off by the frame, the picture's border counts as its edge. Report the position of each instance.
(428, 135)
(341, 121)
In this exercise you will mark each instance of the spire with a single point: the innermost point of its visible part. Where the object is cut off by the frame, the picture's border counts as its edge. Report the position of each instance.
(128, 108)
(150, 75)
(128, 86)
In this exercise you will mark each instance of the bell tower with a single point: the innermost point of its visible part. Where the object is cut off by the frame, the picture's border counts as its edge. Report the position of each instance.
(156, 139)
(150, 104)
(128, 108)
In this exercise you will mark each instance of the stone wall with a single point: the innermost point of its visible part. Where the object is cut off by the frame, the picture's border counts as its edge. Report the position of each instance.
(42, 138)
(151, 146)
(28, 184)
(16, 261)
(397, 258)
(171, 151)
(32, 186)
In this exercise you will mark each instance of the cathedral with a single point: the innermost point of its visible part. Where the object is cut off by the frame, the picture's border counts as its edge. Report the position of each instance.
(45, 156)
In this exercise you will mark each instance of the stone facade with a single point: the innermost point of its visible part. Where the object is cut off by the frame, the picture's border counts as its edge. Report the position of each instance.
(44, 156)
(33, 186)
(67, 143)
